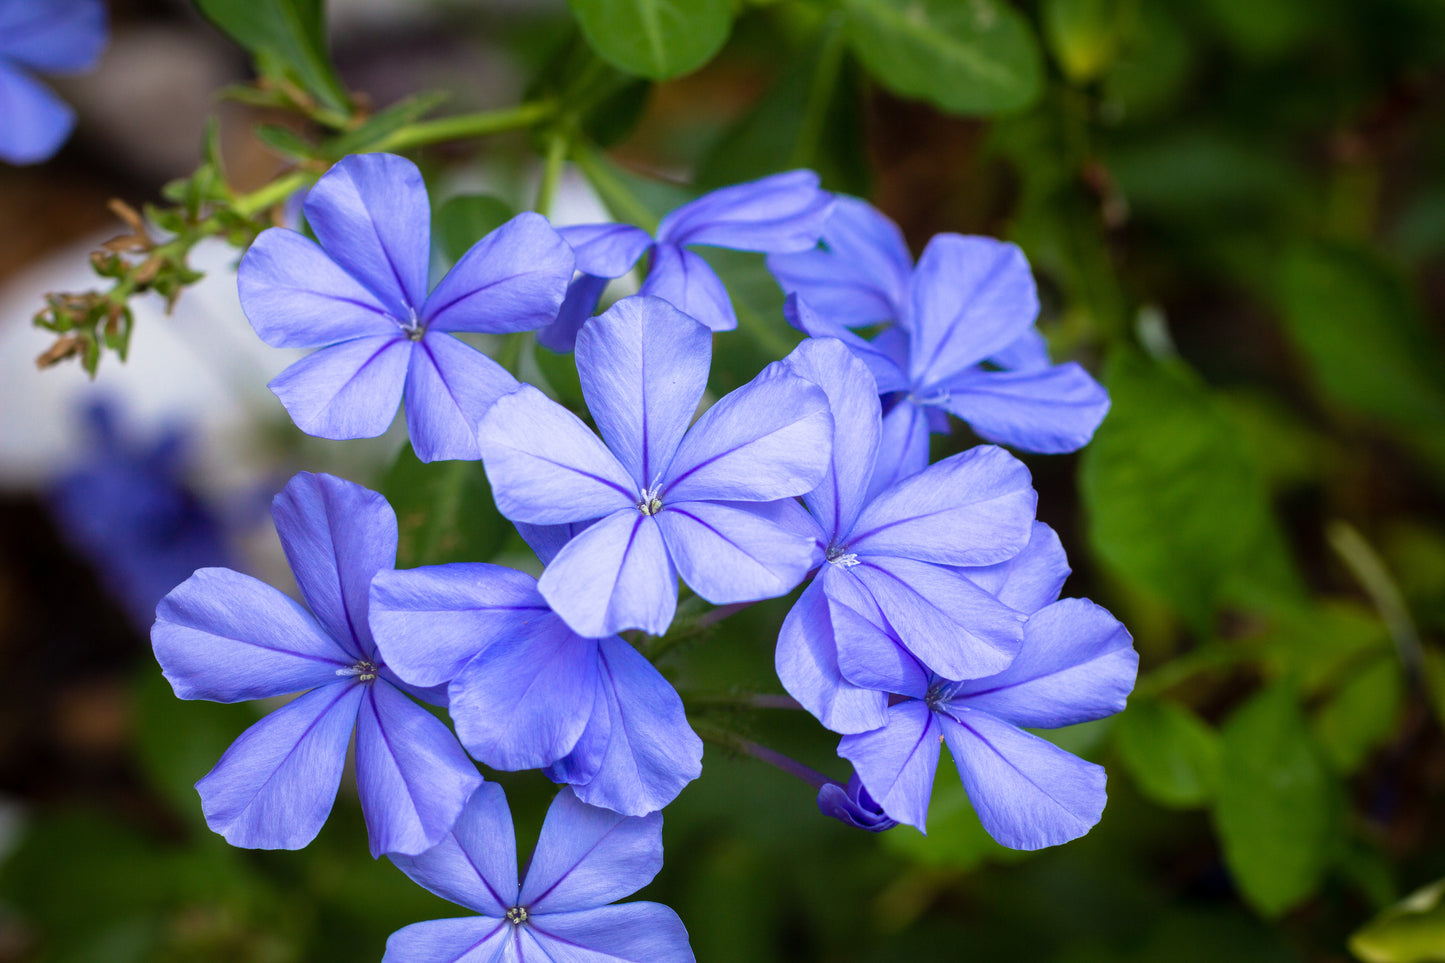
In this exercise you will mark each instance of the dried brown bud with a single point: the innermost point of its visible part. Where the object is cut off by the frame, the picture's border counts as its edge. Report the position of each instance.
(63, 348)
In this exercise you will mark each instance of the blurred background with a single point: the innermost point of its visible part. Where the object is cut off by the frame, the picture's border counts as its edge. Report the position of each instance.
(1235, 210)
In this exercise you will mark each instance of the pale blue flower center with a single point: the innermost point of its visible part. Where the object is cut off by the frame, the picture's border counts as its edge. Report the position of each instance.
(841, 557)
(363, 671)
(650, 503)
(517, 915)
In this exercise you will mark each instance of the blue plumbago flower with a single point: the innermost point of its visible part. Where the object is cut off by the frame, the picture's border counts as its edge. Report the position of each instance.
(963, 340)
(526, 692)
(361, 297)
(665, 496)
(126, 506)
(1077, 664)
(891, 556)
(227, 637)
(852, 805)
(784, 212)
(48, 37)
(585, 859)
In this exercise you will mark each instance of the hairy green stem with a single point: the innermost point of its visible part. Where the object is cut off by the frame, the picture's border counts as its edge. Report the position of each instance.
(464, 126)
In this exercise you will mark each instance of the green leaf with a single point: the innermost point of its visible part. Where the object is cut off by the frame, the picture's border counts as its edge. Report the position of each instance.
(657, 39)
(973, 57)
(1362, 715)
(444, 511)
(1412, 931)
(1353, 320)
(1174, 502)
(1276, 807)
(1172, 754)
(465, 219)
(290, 32)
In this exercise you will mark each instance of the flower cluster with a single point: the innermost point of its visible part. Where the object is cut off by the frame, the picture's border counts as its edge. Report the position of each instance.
(930, 612)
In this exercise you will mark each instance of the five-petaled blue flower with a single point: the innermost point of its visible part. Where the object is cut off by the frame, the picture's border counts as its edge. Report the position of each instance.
(226, 637)
(962, 340)
(781, 213)
(361, 297)
(890, 553)
(48, 37)
(665, 495)
(585, 859)
(526, 692)
(1077, 664)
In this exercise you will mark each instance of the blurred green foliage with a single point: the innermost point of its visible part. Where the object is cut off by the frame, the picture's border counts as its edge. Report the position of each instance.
(1236, 211)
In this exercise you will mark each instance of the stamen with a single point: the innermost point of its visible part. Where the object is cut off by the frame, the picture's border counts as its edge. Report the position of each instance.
(650, 503)
(517, 915)
(841, 557)
(363, 671)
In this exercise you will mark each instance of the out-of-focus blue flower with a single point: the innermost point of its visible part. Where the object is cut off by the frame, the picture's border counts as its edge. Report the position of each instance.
(1077, 664)
(47, 37)
(664, 495)
(127, 508)
(962, 340)
(781, 213)
(361, 297)
(585, 859)
(226, 637)
(526, 692)
(893, 554)
(852, 805)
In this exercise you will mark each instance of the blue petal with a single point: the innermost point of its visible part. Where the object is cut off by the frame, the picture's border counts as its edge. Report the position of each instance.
(643, 366)
(902, 447)
(449, 387)
(524, 702)
(474, 865)
(226, 637)
(472, 939)
(295, 296)
(585, 762)
(349, 390)
(560, 335)
(275, 786)
(859, 276)
(628, 933)
(973, 508)
(606, 250)
(1052, 411)
(545, 466)
(1028, 793)
(776, 214)
(616, 575)
(52, 36)
(853, 402)
(868, 652)
(651, 752)
(588, 857)
(370, 213)
(683, 279)
(954, 627)
(807, 665)
(1030, 352)
(1031, 579)
(769, 439)
(727, 554)
(412, 775)
(897, 763)
(1077, 664)
(887, 374)
(36, 121)
(547, 540)
(337, 536)
(970, 298)
(430, 622)
(853, 806)
(511, 280)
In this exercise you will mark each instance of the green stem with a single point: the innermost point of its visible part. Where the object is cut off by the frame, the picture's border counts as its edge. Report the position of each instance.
(820, 94)
(1370, 571)
(264, 198)
(464, 126)
(623, 204)
(557, 144)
